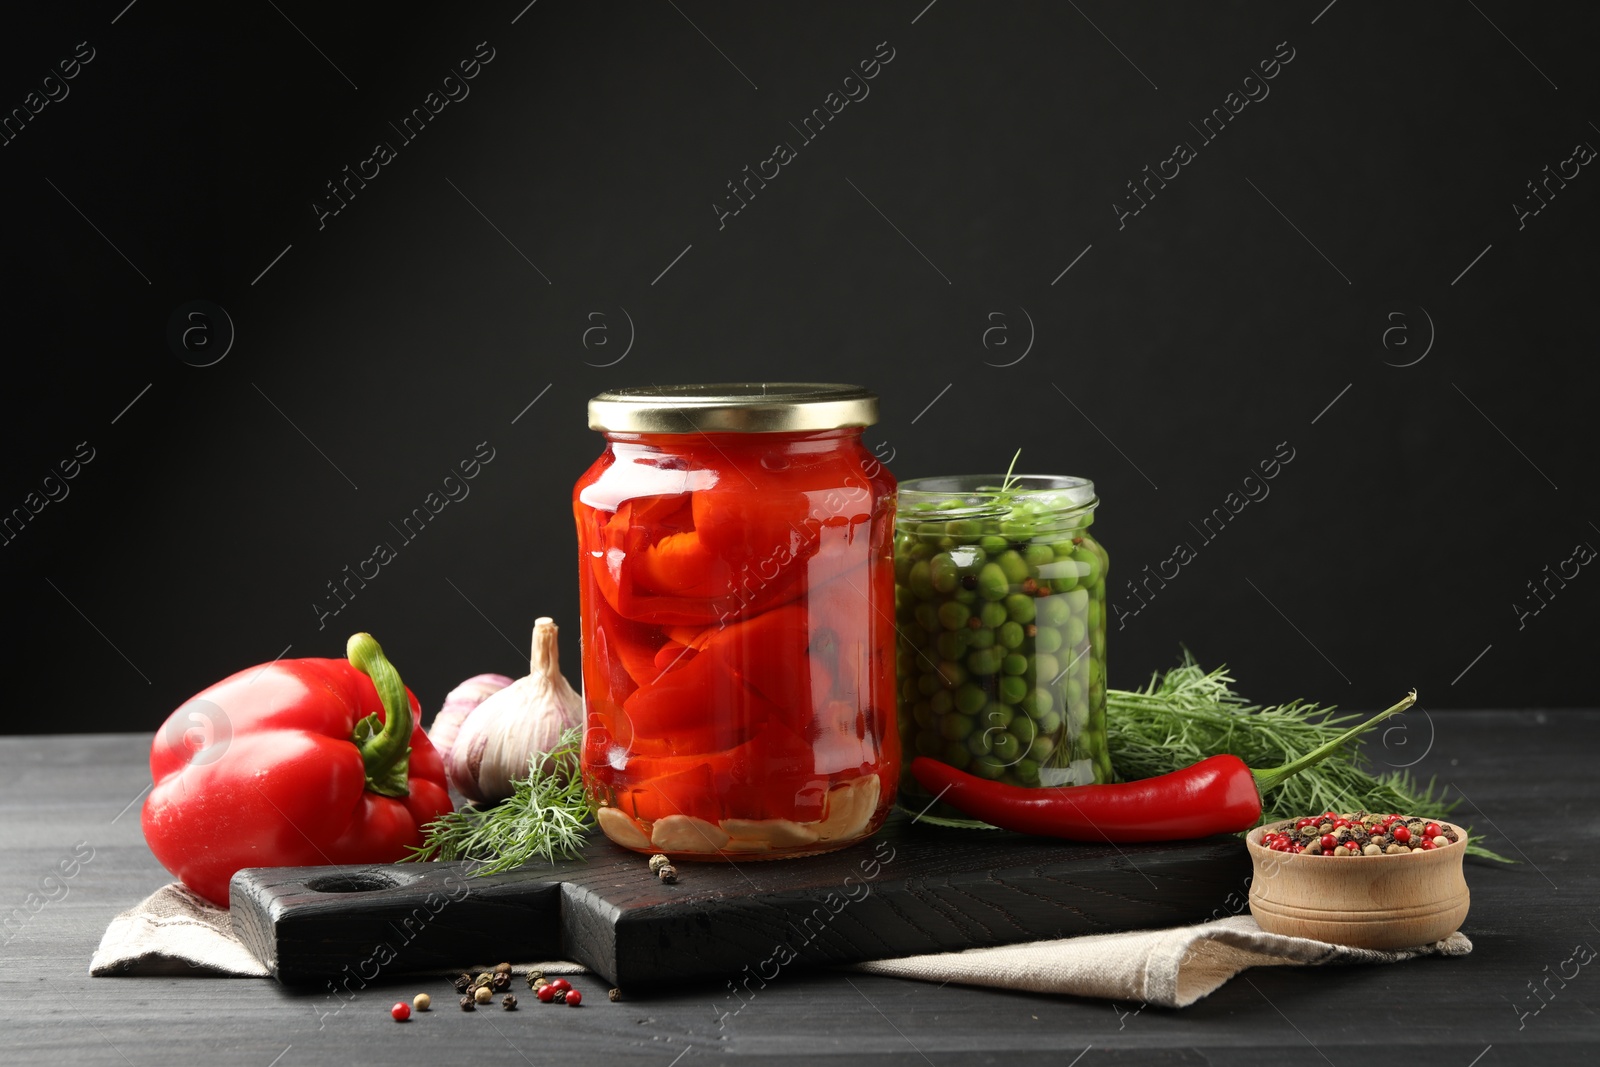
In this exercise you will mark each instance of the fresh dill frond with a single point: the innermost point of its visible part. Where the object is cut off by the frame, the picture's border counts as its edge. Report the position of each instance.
(1188, 713)
(545, 818)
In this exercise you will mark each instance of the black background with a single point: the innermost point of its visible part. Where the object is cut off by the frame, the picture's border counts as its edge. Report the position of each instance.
(1174, 355)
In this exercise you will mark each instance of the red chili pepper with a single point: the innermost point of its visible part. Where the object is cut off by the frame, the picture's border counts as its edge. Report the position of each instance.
(303, 762)
(1218, 795)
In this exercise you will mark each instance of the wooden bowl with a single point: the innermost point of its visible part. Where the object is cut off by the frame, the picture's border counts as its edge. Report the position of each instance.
(1381, 902)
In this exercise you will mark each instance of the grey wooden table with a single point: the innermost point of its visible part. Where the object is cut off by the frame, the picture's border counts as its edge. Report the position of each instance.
(1530, 782)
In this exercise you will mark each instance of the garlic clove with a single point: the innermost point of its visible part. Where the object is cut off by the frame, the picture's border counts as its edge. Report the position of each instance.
(747, 844)
(616, 825)
(850, 809)
(687, 833)
(458, 704)
(774, 833)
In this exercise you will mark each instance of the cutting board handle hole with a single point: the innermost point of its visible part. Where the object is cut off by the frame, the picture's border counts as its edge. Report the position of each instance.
(351, 883)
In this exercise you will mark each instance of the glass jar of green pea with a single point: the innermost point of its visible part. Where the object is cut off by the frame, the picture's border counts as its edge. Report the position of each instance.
(1000, 607)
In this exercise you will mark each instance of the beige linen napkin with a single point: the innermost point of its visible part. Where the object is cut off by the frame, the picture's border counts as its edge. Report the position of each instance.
(1170, 968)
(173, 931)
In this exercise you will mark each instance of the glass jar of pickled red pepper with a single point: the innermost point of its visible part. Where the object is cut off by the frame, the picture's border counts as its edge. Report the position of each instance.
(737, 590)
(1001, 611)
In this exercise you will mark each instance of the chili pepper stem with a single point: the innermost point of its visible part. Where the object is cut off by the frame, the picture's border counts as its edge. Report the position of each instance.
(385, 751)
(1271, 777)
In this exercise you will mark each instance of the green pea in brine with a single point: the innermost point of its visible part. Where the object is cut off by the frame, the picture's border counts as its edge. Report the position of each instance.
(1000, 611)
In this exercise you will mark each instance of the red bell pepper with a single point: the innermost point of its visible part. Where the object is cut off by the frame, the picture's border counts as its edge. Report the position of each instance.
(302, 762)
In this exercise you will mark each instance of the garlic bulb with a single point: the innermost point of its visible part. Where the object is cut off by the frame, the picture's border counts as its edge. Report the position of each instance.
(458, 704)
(503, 734)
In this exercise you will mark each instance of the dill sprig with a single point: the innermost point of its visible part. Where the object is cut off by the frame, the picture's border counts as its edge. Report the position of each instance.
(1188, 713)
(546, 817)
(1001, 494)
(1006, 483)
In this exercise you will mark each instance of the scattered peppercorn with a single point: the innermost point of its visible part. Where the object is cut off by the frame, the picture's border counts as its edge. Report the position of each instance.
(463, 983)
(574, 998)
(501, 981)
(535, 979)
(615, 995)
(546, 993)
(502, 968)
(657, 862)
(561, 985)
(668, 873)
(483, 995)
(422, 1002)
(541, 983)
(469, 1004)
(509, 1003)
(401, 1011)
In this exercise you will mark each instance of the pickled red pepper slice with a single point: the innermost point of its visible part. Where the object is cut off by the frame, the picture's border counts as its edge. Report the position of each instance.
(747, 523)
(741, 555)
(631, 645)
(748, 671)
(770, 776)
(678, 579)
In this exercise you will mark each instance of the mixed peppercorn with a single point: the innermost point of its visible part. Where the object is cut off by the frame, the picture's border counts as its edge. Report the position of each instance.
(480, 990)
(661, 866)
(1360, 834)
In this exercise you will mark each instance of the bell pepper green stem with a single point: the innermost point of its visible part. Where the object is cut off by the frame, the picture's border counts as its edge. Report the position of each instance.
(385, 751)
(1270, 777)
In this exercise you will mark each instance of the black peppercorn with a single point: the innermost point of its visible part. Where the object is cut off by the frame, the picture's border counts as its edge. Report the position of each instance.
(468, 1004)
(501, 981)
(615, 994)
(463, 983)
(509, 1003)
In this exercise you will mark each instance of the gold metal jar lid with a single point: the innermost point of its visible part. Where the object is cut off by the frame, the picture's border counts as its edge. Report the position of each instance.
(733, 407)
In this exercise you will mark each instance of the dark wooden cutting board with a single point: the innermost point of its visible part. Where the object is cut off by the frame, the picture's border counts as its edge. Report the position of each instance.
(909, 890)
